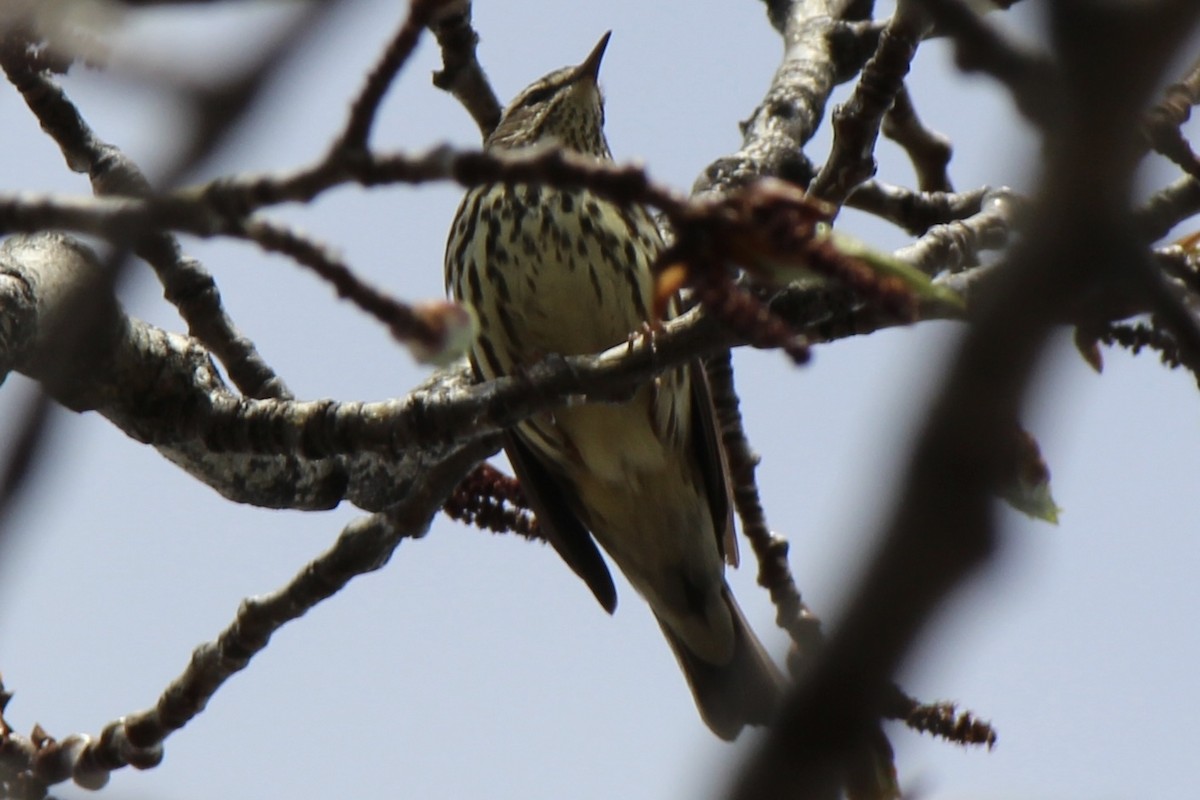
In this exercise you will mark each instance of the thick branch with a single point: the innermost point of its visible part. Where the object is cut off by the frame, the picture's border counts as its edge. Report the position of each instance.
(160, 387)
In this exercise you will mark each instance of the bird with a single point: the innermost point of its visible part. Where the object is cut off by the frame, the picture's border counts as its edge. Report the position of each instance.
(565, 271)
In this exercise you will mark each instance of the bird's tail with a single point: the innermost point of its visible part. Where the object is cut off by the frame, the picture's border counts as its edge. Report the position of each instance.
(744, 691)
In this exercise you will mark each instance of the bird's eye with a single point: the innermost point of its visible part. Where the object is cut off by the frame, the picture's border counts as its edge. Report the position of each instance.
(538, 95)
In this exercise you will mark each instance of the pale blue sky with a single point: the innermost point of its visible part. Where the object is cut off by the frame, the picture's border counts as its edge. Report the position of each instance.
(478, 666)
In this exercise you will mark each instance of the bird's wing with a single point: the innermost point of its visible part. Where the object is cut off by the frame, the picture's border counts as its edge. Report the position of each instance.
(551, 501)
(714, 466)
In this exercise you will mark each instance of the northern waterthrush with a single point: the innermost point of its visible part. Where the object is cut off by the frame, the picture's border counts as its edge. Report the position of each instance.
(564, 271)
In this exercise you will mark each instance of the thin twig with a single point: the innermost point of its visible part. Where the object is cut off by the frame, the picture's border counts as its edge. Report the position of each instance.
(430, 331)
(1169, 206)
(366, 105)
(928, 150)
(816, 57)
(955, 246)
(737, 222)
(461, 74)
(1163, 125)
(770, 548)
(186, 283)
(915, 212)
(363, 546)
(856, 122)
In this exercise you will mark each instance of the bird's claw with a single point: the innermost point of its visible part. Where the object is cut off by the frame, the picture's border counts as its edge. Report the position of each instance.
(648, 332)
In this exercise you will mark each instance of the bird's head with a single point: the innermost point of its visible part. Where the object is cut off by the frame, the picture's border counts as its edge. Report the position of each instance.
(565, 108)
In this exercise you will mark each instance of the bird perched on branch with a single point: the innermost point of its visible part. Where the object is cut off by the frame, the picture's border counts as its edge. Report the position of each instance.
(565, 271)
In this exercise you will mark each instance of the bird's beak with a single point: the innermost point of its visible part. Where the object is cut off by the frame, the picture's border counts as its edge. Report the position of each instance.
(590, 68)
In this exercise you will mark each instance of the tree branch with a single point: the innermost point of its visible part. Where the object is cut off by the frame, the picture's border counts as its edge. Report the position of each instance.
(136, 740)
(915, 212)
(160, 388)
(186, 283)
(955, 245)
(856, 122)
(1081, 236)
(928, 150)
(461, 74)
(366, 105)
(775, 134)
